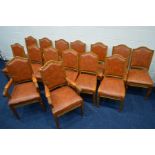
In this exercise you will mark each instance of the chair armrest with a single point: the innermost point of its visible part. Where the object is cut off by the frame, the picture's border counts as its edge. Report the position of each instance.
(6, 88)
(73, 85)
(48, 96)
(35, 81)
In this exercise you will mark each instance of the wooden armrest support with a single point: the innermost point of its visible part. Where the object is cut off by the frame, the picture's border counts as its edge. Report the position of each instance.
(35, 81)
(6, 88)
(47, 94)
(73, 85)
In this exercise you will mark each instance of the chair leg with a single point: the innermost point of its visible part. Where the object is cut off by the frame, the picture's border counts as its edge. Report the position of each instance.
(98, 100)
(121, 105)
(14, 112)
(82, 110)
(42, 105)
(148, 92)
(94, 98)
(56, 122)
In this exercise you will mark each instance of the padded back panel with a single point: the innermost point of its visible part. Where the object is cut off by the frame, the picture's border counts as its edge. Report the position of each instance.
(19, 69)
(30, 41)
(78, 46)
(53, 74)
(88, 62)
(70, 59)
(18, 50)
(100, 49)
(61, 45)
(141, 57)
(45, 43)
(115, 65)
(50, 54)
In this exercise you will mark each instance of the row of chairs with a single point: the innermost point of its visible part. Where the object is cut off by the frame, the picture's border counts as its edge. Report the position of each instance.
(125, 67)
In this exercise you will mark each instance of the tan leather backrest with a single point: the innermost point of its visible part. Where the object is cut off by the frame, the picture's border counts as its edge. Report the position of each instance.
(100, 49)
(122, 50)
(78, 46)
(53, 74)
(30, 41)
(70, 59)
(88, 62)
(141, 57)
(115, 66)
(35, 54)
(50, 54)
(18, 50)
(45, 43)
(61, 45)
(19, 69)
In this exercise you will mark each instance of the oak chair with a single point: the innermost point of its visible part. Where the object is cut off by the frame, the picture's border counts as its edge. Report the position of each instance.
(61, 45)
(87, 79)
(50, 54)
(78, 46)
(35, 57)
(124, 51)
(101, 50)
(59, 91)
(45, 43)
(25, 90)
(31, 42)
(70, 60)
(113, 84)
(138, 75)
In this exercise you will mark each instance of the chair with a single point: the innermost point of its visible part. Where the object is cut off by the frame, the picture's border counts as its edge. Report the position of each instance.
(61, 96)
(61, 45)
(17, 50)
(138, 75)
(113, 84)
(25, 90)
(124, 51)
(87, 79)
(78, 46)
(35, 57)
(70, 63)
(50, 54)
(31, 42)
(45, 43)
(101, 50)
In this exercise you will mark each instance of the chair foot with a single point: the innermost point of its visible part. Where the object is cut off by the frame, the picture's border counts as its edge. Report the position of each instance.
(82, 110)
(98, 101)
(14, 112)
(149, 90)
(94, 98)
(121, 106)
(56, 122)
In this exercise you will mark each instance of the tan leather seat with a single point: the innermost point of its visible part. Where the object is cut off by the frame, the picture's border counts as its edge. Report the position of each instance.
(140, 77)
(138, 74)
(87, 82)
(64, 99)
(70, 59)
(59, 91)
(112, 87)
(87, 79)
(71, 74)
(100, 50)
(24, 92)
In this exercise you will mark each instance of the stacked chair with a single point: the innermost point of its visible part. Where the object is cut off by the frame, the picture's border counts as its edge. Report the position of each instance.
(67, 71)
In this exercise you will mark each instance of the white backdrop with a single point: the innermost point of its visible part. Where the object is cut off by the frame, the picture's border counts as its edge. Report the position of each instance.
(111, 35)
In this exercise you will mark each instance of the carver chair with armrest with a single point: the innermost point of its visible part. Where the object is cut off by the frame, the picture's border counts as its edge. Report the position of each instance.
(113, 84)
(59, 91)
(138, 75)
(87, 79)
(100, 50)
(25, 88)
